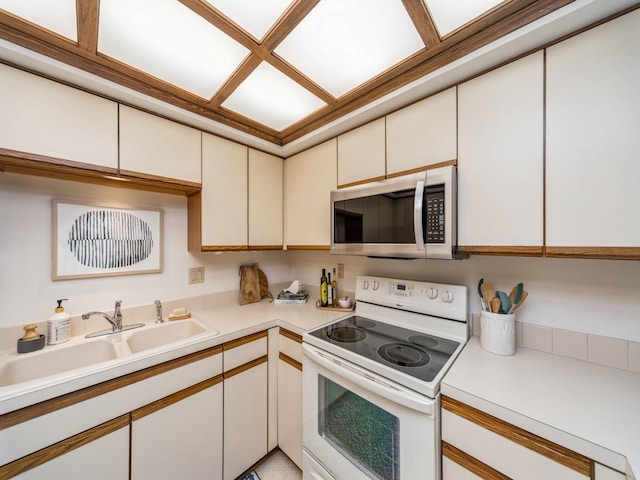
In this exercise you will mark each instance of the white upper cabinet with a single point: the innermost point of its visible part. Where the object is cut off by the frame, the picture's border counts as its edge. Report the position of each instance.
(361, 154)
(266, 179)
(422, 134)
(593, 121)
(500, 157)
(43, 117)
(309, 178)
(153, 145)
(224, 192)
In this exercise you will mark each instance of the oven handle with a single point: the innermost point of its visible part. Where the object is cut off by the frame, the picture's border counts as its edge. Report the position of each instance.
(418, 215)
(370, 381)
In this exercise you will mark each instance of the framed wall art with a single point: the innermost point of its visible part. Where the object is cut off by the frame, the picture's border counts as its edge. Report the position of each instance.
(99, 240)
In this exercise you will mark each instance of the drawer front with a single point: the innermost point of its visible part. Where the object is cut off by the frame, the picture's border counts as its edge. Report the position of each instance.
(290, 345)
(244, 350)
(507, 448)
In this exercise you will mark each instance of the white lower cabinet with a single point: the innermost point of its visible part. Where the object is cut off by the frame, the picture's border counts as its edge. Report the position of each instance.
(482, 446)
(180, 440)
(245, 403)
(105, 458)
(290, 396)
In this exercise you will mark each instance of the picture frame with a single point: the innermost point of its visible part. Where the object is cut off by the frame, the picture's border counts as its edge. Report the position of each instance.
(91, 239)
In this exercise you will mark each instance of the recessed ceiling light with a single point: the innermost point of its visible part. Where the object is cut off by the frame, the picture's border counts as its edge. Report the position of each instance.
(59, 18)
(256, 18)
(449, 16)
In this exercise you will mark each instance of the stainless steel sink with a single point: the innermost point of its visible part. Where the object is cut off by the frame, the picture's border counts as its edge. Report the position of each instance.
(56, 360)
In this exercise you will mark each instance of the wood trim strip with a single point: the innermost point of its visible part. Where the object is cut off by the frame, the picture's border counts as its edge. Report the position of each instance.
(287, 359)
(614, 253)
(247, 366)
(361, 182)
(446, 163)
(44, 166)
(266, 247)
(470, 463)
(40, 457)
(309, 247)
(421, 18)
(501, 250)
(244, 340)
(224, 248)
(48, 406)
(290, 335)
(174, 398)
(553, 451)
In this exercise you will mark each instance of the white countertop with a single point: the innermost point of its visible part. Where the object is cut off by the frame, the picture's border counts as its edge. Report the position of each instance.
(226, 323)
(589, 408)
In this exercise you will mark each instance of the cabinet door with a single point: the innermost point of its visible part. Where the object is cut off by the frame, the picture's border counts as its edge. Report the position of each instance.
(266, 180)
(290, 396)
(500, 159)
(224, 193)
(47, 118)
(309, 178)
(361, 154)
(180, 440)
(592, 168)
(422, 134)
(155, 146)
(245, 419)
(106, 458)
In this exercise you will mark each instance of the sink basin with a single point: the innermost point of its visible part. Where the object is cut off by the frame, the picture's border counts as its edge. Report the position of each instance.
(56, 360)
(163, 334)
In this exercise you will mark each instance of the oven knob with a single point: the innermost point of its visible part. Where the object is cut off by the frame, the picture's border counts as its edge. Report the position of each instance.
(447, 296)
(375, 285)
(432, 293)
(365, 285)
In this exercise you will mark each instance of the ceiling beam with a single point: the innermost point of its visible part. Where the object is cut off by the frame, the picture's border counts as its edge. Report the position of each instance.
(87, 13)
(421, 18)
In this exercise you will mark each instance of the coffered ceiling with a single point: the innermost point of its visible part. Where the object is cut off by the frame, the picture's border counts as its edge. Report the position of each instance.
(274, 69)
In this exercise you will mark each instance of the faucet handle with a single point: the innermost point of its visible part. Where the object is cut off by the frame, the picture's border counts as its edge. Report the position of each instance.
(158, 311)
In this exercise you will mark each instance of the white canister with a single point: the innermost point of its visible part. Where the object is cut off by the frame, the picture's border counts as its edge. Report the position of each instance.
(498, 332)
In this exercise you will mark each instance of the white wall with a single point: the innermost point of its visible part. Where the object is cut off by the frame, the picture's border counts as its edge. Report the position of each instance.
(27, 293)
(599, 297)
(593, 296)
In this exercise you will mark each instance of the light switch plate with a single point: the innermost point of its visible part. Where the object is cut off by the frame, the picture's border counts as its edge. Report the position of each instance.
(196, 275)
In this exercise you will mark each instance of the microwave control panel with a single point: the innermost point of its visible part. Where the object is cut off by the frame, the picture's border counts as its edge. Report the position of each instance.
(434, 208)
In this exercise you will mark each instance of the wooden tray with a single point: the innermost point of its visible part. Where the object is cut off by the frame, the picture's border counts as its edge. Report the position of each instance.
(337, 308)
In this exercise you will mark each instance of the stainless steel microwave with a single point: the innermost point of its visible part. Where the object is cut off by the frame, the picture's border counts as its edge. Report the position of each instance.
(411, 216)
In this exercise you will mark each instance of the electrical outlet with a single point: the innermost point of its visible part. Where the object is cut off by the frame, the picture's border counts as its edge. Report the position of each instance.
(196, 275)
(340, 271)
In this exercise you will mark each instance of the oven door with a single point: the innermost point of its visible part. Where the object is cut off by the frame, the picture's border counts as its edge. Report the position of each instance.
(358, 425)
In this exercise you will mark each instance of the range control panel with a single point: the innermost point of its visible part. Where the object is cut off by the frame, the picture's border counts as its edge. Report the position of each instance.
(443, 300)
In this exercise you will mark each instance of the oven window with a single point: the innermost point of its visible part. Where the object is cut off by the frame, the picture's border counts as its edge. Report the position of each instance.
(361, 431)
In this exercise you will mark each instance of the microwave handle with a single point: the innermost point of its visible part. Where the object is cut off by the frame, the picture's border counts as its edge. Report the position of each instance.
(418, 216)
(400, 396)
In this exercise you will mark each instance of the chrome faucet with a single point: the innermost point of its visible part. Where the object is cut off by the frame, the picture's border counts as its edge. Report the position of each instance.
(158, 311)
(115, 321)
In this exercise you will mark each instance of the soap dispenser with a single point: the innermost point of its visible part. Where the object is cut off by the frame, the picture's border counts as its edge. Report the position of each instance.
(59, 325)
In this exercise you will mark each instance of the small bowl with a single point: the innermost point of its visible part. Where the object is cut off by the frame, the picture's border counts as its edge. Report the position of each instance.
(344, 302)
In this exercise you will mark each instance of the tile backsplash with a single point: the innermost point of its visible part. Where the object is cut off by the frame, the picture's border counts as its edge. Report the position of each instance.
(612, 352)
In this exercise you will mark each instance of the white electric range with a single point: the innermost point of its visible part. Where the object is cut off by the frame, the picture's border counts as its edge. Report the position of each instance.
(371, 381)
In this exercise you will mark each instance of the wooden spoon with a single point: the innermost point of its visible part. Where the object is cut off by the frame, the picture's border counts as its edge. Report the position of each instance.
(495, 304)
(522, 299)
(488, 292)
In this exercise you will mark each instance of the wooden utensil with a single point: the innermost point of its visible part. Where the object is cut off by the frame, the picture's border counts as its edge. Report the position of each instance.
(495, 304)
(488, 292)
(522, 299)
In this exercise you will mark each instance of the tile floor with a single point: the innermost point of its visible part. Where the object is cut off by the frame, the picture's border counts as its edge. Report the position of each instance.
(279, 467)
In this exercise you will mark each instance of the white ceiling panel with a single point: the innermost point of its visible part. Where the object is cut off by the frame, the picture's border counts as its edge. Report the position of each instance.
(450, 15)
(58, 16)
(341, 44)
(169, 41)
(254, 17)
(271, 98)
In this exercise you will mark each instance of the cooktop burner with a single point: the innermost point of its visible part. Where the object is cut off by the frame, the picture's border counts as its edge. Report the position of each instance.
(403, 354)
(417, 354)
(347, 334)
